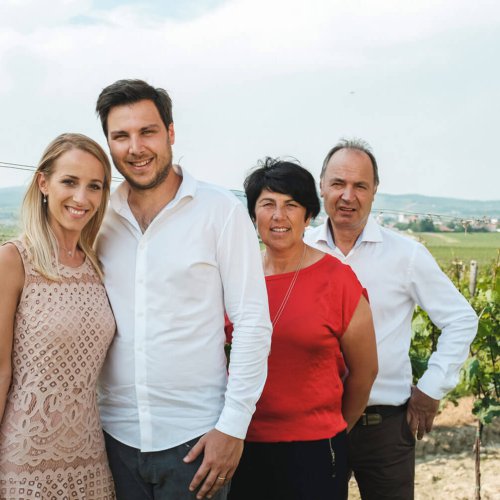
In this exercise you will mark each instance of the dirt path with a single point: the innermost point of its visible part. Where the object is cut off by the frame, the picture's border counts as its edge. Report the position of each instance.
(445, 238)
(452, 478)
(445, 460)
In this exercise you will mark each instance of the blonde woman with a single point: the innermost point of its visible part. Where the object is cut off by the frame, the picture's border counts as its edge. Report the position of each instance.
(55, 328)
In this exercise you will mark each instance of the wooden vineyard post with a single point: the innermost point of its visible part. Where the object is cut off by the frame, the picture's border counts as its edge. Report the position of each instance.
(473, 277)
(479, 431)
(477, 451)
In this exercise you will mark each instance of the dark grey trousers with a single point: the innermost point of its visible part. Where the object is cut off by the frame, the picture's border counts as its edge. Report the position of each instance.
(158, 475)
(382, 457)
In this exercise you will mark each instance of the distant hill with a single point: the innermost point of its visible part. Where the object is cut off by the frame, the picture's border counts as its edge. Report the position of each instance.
(11, 197)
(10, 201)
(420, 204)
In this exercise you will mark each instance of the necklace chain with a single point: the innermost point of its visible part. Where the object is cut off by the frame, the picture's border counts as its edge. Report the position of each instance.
(69, 253)
(279, 312)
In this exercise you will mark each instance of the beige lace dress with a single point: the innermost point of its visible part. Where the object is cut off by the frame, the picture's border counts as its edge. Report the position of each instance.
(51, 441)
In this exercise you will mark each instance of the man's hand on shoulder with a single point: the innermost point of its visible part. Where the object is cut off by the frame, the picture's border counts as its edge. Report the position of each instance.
(421, 412)
(222, 454)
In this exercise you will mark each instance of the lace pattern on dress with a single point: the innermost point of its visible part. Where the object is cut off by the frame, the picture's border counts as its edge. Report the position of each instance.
(51, 441)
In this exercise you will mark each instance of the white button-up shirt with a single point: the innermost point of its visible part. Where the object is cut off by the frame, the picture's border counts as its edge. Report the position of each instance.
(165, 379)
(400, 273)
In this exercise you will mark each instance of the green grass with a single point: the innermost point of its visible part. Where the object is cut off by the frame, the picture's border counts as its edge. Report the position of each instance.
(449, 247)
(7, 233)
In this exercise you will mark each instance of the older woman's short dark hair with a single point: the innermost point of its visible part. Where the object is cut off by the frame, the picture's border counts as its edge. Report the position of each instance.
(285, 177)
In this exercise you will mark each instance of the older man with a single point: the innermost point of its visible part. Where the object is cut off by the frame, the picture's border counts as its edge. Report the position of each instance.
(398, 273)
(177, 254)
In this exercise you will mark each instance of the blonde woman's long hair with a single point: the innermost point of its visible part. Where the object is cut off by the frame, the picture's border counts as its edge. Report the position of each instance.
(38, 236)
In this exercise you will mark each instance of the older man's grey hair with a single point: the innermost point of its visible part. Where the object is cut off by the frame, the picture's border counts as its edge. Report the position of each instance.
(358, 145)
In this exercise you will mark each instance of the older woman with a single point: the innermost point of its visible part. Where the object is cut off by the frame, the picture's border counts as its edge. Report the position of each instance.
(55, 328)
(296, 443)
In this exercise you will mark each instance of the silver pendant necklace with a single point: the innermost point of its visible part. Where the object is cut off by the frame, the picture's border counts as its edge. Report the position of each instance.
(281, 308)
(69, 253)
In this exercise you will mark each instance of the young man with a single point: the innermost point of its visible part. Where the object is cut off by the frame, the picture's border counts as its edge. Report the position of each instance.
(398, 273)
(177, 254)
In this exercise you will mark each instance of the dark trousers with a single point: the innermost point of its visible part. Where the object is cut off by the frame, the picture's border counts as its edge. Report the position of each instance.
(158, 475)
(382, 457)
(298, 470)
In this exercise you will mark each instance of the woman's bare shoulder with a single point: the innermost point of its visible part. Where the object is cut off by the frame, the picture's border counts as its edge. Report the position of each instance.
(313, 255)
(11, 264)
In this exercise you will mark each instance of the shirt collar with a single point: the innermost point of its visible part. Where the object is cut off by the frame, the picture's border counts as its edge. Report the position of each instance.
(371, 233)
(323, 232)
(187, 188)
(118, 199)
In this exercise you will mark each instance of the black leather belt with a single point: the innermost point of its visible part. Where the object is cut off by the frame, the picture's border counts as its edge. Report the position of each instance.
(374, 415)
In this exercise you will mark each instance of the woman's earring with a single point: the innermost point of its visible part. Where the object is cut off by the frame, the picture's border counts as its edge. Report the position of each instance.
(45, 199)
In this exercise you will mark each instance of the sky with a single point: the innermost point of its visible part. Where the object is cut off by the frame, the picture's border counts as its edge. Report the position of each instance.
(420, 81)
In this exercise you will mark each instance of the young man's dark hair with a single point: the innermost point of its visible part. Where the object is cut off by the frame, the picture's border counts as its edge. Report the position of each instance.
(283, 177)
(124, 92)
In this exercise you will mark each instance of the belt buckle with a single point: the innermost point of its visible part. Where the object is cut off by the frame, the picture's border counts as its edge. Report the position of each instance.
(371, 419)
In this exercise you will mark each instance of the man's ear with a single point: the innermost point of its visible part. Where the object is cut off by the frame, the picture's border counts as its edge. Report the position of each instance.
(171, 133)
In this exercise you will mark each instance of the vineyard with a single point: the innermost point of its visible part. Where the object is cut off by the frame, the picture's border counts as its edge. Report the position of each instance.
(462, 247)
(455, 460)
(454, 252)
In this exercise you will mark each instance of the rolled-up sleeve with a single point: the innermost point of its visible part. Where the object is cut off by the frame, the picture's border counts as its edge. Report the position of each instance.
(449, 311)
(246, 304)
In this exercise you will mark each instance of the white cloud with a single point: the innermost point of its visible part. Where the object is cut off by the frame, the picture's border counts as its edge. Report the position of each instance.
(28, 15)
(239, 37)
(256, 77)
